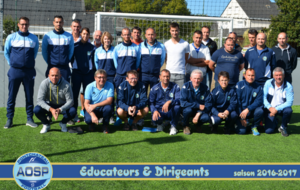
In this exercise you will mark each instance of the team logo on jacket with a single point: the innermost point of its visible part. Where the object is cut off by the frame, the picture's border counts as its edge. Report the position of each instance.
(254, 94)
(65, 42)
(171, 95)
(228, 98)
(137, 96)
(265, 58)
(88, 53)
(202, 97)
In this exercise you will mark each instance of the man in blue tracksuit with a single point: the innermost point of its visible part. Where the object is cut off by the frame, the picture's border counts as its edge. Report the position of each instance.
(152, 57)
(224, 102)
(126, 57)
(195, 102)
(261, 59)
(58, 48)
(250, 103)
(132, 100)
(278, 100)
(164, 100)
(20, 52)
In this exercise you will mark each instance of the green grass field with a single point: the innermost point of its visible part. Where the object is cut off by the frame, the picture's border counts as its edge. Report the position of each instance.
(121, 146)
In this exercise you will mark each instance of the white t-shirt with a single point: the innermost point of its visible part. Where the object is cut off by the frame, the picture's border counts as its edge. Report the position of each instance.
(176, 56)
(203, 53)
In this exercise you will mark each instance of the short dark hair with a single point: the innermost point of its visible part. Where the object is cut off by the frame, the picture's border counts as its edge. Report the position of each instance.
(58, 16)
(165, 70)
(86, 29)
(228, 38)
(133, 72)
(223, 74)
(253, 32)
(198, 32)
(24, 18)
(76, 21)
(136, 28)
(174, 25)
(233, 33)
(250, 69)
(206, 27)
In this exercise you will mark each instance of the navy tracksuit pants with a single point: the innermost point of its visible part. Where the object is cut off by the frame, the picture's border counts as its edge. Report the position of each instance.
(147, 80)
(173, 115)
(190, 112)
(229, 121)
(16, 77)
(257, 116)
(77, 80)
(112, 80)
(100, 112)
(42, 114)
(272, 122)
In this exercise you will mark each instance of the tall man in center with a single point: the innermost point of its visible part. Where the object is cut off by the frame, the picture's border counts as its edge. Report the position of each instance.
(177, 55)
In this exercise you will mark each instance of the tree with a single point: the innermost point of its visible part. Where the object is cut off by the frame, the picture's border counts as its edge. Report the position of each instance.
(9, 26)
(288, 20)
(98, 5)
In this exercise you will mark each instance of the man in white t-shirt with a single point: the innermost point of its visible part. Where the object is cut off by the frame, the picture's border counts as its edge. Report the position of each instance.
(177, 53)
(198, 58)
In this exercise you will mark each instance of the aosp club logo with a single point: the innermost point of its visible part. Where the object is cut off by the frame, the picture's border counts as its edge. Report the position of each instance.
(32, 171)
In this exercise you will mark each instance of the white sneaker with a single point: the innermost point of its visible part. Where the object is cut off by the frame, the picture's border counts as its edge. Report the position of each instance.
(173, 131)
(160, 128)
(63, 127)
(100, 120)
(45, 129)
(111, 120)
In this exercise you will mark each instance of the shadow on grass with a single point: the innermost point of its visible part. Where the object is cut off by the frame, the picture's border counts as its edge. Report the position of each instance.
(152, 141)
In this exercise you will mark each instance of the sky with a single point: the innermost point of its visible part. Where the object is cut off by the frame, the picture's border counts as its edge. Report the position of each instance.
(211, 7)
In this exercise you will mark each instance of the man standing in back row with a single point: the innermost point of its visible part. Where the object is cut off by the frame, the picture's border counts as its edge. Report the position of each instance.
(177, 53)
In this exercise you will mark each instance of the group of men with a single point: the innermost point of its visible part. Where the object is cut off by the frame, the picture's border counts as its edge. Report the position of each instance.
(178, 93)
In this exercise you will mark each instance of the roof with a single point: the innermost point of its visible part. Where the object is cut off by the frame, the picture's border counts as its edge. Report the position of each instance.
(258, 9)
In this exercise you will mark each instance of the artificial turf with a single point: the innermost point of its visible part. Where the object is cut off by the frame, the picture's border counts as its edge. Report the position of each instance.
(129, 146)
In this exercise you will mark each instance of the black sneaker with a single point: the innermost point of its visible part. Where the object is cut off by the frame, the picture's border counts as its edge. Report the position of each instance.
(283, 132)
(9, 124)
(134, 127)
(226, 131)
(126, 127)
(105, 129)
(214, 129)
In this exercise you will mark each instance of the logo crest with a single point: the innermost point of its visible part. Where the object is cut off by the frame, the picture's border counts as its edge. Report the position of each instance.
(88, 53)
(137, 96)
(202, 97)
(228, 98)
(171, 95)
(265, 58)
(254, 94)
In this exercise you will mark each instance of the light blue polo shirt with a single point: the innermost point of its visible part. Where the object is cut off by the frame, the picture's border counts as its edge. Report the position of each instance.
(94, 95)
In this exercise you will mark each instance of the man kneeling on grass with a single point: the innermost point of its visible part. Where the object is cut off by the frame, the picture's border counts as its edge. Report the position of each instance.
(132, 100)
(278, 101)
(195, 102)
(164, 100)
(98, 98)
(224, 102)
(54, 97)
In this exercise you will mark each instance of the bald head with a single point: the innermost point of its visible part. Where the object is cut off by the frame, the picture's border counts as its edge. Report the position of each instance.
(54, 75)
(261, 39)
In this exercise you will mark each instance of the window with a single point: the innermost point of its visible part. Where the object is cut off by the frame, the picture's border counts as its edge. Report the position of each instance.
(236, 10)
(240, 23)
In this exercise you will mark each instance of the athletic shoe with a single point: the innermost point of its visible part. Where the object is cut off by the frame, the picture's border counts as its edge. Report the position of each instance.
(45, 129)
(173, 130)
(9, 124)
(255, 131)
(49, 118)
(76, 119)
(186, 130)
(153, 124)
(31, 124)
(160, 128)
(214, 129)
(134, 127)
(71, 122)
(100, 120)
(105, 129)
(111, 120)
(140, 122)
(63, 127)
(118, 121)
(81, 113)
(126, 127)
(226, 131)
(283, 131)
(198, 128)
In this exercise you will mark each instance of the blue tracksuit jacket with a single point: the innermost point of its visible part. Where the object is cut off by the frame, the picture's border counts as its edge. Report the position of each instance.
(188, 97)
(249, 95)
(58, 48)
(158, 97)
(132, 96)
(222, 100)
(21, 49)
(104, 60)
(82, 58)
